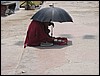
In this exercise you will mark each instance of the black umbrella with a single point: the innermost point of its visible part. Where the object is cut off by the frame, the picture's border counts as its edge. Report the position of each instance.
(52, 14)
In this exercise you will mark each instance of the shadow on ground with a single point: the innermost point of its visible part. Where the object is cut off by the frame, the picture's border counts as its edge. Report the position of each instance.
(89, 37)
(55, 46)
(66, 35)
(2, 43)
(20, 43)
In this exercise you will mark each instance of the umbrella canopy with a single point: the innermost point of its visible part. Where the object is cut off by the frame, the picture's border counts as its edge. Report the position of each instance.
(52, 14)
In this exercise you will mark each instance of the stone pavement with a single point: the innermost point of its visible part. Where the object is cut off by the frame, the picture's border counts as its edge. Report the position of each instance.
(80, 57)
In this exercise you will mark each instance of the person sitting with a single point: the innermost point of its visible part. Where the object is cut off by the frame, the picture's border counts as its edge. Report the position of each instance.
(36, 34)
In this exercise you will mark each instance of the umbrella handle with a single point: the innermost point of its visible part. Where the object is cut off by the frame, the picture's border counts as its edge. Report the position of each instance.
(51, 34)
(51, 31)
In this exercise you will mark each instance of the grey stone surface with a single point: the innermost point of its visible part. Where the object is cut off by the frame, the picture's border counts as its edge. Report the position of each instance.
(80, 57)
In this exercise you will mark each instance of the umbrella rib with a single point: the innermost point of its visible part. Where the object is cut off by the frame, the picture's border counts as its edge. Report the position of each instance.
(63, 15)
(45, 12)
(52, 13)
(66, 19)
(57, 13)
(41, 15)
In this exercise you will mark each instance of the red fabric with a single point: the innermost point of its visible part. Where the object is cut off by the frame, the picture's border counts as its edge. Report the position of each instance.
(36, 34)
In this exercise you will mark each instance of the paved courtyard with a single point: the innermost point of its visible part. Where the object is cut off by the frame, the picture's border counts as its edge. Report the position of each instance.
(79, 57)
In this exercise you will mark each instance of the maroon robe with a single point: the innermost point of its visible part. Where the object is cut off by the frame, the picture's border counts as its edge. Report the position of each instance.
(36, 34)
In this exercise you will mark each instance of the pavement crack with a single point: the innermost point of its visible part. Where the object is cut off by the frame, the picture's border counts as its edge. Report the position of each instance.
(19, 62)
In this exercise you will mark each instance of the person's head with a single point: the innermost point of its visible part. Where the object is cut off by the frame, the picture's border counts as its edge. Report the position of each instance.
(46, 23)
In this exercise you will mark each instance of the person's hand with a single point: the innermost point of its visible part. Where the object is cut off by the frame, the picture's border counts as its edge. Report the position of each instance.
(53, 38)
(52, 24)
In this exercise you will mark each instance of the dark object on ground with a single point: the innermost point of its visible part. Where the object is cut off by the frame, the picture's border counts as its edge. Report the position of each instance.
(7, 8)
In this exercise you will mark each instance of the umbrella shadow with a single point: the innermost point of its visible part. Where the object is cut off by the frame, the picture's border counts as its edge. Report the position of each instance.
(55, 46)
(66, 35)
(89, 37)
